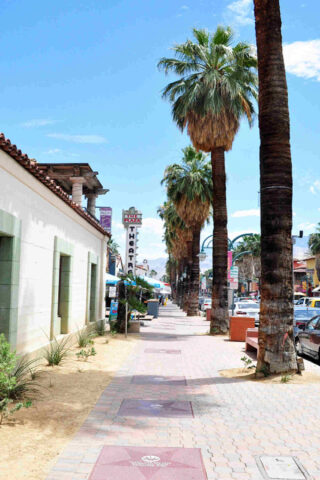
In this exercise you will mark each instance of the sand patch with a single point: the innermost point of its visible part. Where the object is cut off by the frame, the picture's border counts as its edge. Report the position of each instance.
(32, 441)
(249, 374)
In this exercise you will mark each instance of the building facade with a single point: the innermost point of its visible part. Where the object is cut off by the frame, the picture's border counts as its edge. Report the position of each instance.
(52, 256)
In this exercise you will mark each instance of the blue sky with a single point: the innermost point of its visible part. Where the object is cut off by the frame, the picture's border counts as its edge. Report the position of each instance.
(79, 83)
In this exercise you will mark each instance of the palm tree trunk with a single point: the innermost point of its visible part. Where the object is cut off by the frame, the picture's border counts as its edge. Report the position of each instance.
(219, 312)
(276, 341)
(180, 284)
(187, 281)
(173, 280)
(193, 304)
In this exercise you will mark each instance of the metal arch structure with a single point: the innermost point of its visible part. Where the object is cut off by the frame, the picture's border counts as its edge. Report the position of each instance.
(231, 243)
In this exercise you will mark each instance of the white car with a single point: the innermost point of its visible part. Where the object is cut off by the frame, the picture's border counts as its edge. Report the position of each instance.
(250, 309)
(302, 302)
(206, 304)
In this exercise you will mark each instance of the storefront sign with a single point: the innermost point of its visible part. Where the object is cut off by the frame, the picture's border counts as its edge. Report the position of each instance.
(106, 218)
(132, 220)
(112, 292)
(131, 250)
(131, 217)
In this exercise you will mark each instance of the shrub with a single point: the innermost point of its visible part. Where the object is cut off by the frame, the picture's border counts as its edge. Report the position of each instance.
(8, 380)
(5, 411)
(25, 373)
(100, 328)
(84, 337)
(8, 361)
(84, 354)
(57, 351)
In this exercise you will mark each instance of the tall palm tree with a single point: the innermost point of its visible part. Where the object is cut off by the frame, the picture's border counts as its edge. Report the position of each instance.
(177, 238)
(314, 245)
(189, 186)
(216, 87)
(276, 340)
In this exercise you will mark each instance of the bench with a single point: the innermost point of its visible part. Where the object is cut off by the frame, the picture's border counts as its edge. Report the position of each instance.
(252, 340)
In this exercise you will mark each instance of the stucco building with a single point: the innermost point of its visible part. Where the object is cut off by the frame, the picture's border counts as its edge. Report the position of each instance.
(52, 254)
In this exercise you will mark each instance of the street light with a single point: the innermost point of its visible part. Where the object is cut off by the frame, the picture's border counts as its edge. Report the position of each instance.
(202, 256)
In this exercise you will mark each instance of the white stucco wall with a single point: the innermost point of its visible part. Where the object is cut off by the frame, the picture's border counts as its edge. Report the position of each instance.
(44, 216)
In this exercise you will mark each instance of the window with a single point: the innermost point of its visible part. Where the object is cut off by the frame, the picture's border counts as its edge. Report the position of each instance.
(312, 324)
(92, 288)
(93, 293)
(10, 228)
(61, 287)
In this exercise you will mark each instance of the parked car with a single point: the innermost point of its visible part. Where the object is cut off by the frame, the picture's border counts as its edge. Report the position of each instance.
(302, 302)
(206, 304)
(314, 302)
(308, 339)
(250, 309)
(302, 316)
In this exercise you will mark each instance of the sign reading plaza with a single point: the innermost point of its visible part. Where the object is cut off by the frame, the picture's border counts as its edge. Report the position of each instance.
(132, 220)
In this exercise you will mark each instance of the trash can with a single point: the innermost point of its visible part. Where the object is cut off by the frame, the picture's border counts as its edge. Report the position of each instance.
(153, 307)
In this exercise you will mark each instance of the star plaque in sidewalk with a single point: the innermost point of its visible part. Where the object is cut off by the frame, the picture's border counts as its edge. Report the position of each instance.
(149, 463)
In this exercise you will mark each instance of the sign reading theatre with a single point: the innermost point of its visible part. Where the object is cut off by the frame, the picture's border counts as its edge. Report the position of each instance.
(132, 220)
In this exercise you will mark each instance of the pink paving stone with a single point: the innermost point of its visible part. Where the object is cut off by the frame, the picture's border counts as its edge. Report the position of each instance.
(155, 408)
(158, 380)
(163, 350)
(149, 463)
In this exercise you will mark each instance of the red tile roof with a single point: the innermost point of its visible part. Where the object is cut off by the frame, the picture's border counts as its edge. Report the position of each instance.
(35, 170)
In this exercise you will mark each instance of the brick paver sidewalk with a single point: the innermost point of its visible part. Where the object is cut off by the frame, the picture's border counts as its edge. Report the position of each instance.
(170, 394)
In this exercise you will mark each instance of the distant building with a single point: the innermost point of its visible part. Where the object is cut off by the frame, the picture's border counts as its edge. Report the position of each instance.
(52, 252)
(311, 269)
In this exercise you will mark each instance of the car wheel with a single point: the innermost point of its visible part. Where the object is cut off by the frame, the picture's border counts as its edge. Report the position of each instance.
(298, 347)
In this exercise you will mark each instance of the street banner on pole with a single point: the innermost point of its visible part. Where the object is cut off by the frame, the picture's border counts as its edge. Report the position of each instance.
(234, 274)
(106, 218)
(229, 263)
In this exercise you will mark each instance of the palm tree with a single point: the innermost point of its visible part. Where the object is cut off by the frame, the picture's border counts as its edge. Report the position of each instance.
(177, 238)
(216, 86)
(276, 340)
(189, 186)
(314, 245)
(153, 273)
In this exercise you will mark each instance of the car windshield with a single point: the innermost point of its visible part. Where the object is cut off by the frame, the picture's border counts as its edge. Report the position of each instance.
(247, 306)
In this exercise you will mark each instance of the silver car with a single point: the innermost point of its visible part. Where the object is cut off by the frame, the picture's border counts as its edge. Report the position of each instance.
(249, 309)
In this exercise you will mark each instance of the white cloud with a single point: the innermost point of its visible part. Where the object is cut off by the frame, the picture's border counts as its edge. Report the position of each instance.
(303, 58)
(306, 226)
(240, 12)
(255, 212)
(184, 7)
(152, 225)
(52, 151)
(315, 187)
(40, 122)
(78, 138)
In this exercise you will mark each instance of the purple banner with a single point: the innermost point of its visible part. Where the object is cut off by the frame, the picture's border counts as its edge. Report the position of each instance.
(106, 218)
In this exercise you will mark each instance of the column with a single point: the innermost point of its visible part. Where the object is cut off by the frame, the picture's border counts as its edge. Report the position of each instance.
(77, 183)
(91, 204)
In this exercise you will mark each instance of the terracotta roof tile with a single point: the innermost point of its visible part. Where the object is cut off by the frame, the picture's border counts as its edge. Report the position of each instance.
(36, 171)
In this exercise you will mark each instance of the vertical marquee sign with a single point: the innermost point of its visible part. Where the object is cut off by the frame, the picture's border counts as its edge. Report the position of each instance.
(132, 220)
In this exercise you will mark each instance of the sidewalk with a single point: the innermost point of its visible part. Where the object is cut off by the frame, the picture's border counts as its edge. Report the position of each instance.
(170, 394)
